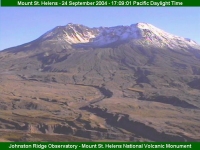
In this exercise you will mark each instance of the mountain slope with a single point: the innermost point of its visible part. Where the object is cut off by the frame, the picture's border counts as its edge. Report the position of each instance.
(103, 83)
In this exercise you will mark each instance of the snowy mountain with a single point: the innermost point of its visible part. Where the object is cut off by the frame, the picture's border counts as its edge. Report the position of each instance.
(140, 33)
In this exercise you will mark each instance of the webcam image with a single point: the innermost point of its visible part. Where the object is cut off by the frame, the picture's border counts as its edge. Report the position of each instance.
(99, 74)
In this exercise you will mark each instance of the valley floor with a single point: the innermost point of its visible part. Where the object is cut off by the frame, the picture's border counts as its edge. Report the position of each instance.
(34, 110)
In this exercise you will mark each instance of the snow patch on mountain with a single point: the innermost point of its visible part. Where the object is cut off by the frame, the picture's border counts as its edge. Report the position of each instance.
(77, 37)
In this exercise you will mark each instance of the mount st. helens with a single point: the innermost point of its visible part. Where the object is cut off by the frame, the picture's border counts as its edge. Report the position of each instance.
(141, 33)
(144, 33)
(133, 83)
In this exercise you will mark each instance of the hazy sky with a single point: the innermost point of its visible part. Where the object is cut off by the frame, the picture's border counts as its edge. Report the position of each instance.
(21, 25)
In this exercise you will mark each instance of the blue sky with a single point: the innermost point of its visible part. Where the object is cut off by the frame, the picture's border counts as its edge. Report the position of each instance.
(21, 25)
